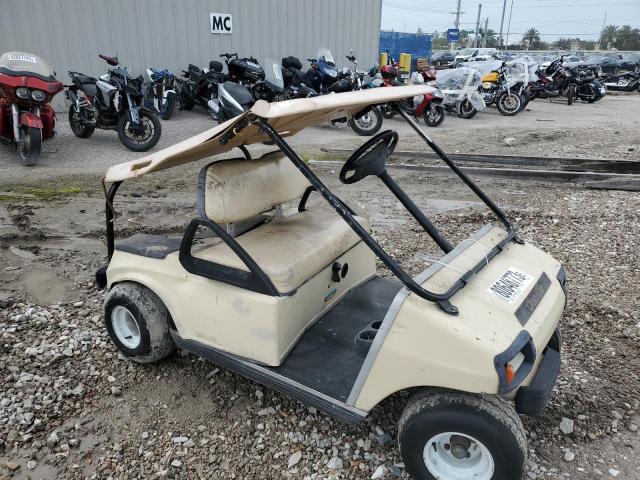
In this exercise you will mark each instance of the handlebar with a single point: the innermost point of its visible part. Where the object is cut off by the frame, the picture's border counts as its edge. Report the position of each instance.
(113, 61)
(229, 55)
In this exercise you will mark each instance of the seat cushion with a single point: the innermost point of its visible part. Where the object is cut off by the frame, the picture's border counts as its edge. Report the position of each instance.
(292, 249)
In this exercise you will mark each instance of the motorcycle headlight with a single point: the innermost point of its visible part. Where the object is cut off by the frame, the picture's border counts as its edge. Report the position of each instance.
(22, 92)
(38, 95)
(486, 85)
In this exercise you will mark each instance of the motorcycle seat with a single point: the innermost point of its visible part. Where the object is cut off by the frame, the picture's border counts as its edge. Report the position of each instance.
(87, 83)
(240, 93)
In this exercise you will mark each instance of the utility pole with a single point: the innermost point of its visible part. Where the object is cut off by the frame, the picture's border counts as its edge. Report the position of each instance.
(484, 38)
(457, 14)
(602, 31)
(506, 44)
(504, 8)
(476, 40)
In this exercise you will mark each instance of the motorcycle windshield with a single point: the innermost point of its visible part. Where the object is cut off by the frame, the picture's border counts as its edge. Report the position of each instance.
(484, 67)
(324, 55)
(24, 64)
(273, 75)
(464, 78)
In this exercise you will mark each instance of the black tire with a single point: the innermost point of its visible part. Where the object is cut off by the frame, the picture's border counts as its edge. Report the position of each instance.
(368, 124)
(467, 110)
(30, 145)
(489, 420)
(433, 115)
(388, 112)
(143, 143)
(571, 94)
(151, 317)
(509, 104)
(79, 130)
(169, 107)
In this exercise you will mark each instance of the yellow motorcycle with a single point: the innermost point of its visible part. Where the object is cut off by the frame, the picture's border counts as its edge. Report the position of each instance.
(505, 93)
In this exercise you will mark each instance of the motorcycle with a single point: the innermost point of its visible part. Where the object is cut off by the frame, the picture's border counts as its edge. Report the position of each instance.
(112, 102)
(199, 87)
(627, 82)
(27, 85)
(160, 92)
(323, 77)
(246, 70)
(499, 89)
(428, 106)
(553, 81)
(294, 79)
(585, 85)
(369, 122)
(460, 91)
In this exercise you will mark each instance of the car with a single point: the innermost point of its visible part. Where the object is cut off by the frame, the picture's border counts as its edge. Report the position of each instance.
(476, 54)
(442, 59)
(288, 294)
(629, 61)
(608, 62)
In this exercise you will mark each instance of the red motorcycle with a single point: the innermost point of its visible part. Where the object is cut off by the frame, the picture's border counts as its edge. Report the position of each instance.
(428, 106)
(27, 85)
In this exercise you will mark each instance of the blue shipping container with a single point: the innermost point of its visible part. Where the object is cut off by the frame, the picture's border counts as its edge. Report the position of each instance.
(395, 43)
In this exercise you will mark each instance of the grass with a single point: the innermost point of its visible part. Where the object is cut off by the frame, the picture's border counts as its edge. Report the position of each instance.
(18, 193)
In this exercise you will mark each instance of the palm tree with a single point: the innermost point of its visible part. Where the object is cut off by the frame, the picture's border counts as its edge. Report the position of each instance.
(623, 37)
(491, 38)
(608, 35)
(531, 36)
(563, 43)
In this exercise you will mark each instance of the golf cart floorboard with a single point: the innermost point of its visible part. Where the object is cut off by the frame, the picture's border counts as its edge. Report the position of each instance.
(322, 367)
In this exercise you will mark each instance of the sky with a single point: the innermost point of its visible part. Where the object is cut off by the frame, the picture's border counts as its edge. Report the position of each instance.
(552, 18)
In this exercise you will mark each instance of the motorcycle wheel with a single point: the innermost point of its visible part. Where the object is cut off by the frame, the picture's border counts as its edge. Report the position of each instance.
(525, 102)
(571, 93)
(434, 115)
(509, 104)
(467, 110)
(30, 145)
(368, 124)
(388, 112)
(79, 130)
(139, 141)
(167, 107)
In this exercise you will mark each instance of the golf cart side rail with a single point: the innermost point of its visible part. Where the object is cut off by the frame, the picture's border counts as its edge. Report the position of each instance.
(442, 299)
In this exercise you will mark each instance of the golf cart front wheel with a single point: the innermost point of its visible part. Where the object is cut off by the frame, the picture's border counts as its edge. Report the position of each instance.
(138, 323)
(457, 436)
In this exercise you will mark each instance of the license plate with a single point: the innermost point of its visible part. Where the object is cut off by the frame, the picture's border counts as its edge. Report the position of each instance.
(510, 285)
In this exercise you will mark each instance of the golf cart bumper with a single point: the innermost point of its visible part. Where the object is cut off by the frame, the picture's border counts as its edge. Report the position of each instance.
(533, 398)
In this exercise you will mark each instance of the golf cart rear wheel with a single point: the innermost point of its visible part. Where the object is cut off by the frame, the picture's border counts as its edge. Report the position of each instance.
(457, 436)
(138, 323)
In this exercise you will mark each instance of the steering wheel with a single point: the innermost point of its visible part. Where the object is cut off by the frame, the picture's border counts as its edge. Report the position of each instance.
(370, 158)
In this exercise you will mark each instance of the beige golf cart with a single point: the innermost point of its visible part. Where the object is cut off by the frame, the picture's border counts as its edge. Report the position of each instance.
(290, 298)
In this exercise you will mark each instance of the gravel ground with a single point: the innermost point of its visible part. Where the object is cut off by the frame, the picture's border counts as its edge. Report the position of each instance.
(72, 407)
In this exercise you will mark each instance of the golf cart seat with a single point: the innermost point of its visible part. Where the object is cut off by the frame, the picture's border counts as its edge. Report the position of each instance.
(290, 249)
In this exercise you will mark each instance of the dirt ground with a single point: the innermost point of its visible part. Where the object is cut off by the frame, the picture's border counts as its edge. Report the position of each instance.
(71, 407)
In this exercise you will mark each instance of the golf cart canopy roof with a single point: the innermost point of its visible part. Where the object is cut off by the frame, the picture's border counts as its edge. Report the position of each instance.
(287, 118)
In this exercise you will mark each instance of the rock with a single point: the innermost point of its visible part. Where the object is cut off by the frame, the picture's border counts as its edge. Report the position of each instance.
(13, 466)
(115, 391)
(384, 439)
(566, 426)
(74, 442)
(335, 463)
(176, 463)
(189, 444)
(294, 459)
(509, 141)
(67, 352)
(78, 304)
(266, 411)
(144, 435)
(380, 472)
(259, 394)
(395, 470)
(53, 439)
(111, 379)
(79, 390)
(179, 439)
(569, 456)
(613, 472)
(31, 464)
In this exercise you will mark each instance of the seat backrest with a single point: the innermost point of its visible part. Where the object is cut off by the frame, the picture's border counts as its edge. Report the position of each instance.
(235, 190)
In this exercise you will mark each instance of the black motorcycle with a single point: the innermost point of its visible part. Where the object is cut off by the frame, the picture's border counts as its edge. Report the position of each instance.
(200, 87)
(585, 85)
(294, 79)
(627, 82)
(246, 71)
(113, 102)
(553, 81)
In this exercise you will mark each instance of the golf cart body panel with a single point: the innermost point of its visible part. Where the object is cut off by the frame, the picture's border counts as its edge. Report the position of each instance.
(276, 293)
(483, 329)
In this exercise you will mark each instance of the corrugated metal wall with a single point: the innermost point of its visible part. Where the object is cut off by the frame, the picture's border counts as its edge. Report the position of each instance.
(69, 34)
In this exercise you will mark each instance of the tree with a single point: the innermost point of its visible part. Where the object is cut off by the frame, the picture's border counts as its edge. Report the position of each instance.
(491, 38)
(608, 35)
(562, 43)
(531, 36)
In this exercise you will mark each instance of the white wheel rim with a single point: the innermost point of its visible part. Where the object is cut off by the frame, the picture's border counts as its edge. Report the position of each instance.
(456, 456)
(125, 327)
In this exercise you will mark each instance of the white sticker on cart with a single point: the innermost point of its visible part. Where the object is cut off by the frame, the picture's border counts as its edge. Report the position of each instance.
(510, 285)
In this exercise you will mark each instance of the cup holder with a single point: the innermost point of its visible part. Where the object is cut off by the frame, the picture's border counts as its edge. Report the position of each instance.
(364, 338)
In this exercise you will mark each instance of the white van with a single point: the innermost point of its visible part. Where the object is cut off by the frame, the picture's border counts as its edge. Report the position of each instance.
(475, 54)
